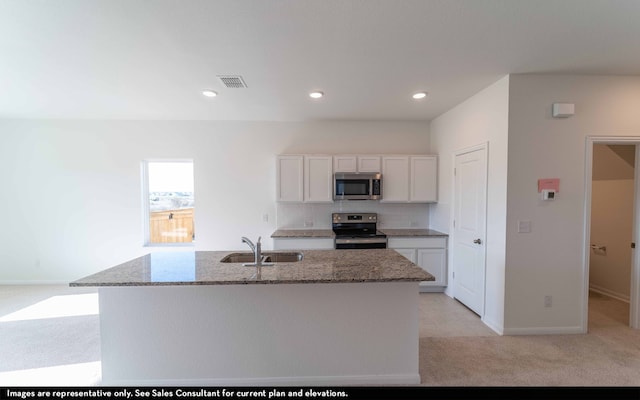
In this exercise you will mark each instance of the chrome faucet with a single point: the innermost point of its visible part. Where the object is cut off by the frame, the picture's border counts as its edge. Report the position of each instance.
(250, 243)
(257, 252)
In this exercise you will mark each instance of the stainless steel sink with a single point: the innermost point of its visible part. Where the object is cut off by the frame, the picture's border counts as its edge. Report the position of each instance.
(267, 257)
(283, 257)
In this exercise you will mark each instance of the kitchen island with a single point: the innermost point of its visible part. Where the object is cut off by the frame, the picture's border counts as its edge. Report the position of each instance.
(336, 317)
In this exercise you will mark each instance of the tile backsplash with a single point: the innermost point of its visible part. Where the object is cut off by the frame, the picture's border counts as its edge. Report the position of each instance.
(318, 215)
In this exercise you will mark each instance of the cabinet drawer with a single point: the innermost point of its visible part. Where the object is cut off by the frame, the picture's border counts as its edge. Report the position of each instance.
(418, 243)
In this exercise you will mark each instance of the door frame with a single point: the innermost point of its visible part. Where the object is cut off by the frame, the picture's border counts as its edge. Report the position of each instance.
(482, 146)
(634, 307)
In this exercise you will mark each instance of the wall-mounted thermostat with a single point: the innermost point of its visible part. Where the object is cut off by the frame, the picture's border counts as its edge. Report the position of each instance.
(548, 194)
(548, 188)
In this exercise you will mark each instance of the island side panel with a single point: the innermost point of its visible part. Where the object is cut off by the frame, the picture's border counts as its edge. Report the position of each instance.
(299, 334)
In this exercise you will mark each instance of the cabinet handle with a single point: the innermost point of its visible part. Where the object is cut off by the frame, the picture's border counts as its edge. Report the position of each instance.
(477, 241)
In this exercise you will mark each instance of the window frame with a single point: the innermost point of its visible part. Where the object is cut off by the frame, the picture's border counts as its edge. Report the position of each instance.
(146, 209)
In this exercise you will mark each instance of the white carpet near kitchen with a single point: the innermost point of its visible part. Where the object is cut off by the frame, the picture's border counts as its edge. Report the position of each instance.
(50, 337)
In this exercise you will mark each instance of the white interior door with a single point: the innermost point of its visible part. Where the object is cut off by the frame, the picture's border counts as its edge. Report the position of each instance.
(469, 231)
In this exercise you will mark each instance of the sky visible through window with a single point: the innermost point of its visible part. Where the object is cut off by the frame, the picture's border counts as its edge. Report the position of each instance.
(170, 177)
(170, 185)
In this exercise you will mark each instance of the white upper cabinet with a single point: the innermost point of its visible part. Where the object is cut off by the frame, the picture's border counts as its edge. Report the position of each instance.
(318, 179)
(409, 179)
(304, 178)
(369, 164)
(423, 175)
(395, 179)
(356, 163)
(345, 163)
(309, 177)
(290, 178)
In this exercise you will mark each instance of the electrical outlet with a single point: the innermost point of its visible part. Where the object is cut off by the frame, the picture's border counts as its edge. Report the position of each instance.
(414, 224)
(265, 217)
(308, 224)
(524, 226)
(547, 301)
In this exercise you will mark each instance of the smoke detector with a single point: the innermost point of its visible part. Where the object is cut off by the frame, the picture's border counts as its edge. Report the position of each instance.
(232, 81)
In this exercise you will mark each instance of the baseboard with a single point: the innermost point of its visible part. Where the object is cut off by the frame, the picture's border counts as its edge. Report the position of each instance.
(355, 380)
(610, 293)
(27, 283)
(494, 327)
(555, 330)
(432, 289)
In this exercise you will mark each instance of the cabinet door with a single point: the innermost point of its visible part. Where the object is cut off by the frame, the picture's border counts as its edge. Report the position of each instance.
(395, 179)
(345, 164)
(289, 178)
(423, 174)
(410, 254)
(318, 182)
(434, 261)
(369, 164)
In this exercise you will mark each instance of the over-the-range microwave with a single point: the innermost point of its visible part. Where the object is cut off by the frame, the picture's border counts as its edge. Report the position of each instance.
(357, 186)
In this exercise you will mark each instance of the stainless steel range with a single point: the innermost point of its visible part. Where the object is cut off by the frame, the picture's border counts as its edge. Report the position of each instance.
(357, 231)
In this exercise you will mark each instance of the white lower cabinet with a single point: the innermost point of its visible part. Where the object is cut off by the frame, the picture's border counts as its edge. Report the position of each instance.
(434, 261)
(408, 253)
(302, 243)
(430, 253)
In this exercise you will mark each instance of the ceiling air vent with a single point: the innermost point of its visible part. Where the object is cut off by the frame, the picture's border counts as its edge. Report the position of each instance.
(232, 81)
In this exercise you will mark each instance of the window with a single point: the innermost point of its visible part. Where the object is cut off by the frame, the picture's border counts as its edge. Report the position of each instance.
(168, 199)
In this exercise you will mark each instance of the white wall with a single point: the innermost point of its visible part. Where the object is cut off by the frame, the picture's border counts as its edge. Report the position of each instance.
(549, 260)
(71, 192)
(482, 118)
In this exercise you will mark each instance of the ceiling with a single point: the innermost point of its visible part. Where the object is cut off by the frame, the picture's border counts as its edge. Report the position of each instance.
(151, 59)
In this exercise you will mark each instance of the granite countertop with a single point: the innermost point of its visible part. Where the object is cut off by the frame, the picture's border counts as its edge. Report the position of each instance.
(205, 268)
(303, 233)
(328, 233)
(412, 232)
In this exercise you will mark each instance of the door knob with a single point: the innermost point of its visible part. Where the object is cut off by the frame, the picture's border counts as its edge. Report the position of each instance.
(477, 241)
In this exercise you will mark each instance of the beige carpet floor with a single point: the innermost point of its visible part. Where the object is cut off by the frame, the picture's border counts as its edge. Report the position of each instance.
(454, 351)
(49, 336)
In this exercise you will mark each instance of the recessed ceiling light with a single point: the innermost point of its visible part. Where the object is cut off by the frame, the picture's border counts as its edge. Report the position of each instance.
(419, 95)
(316, 95)
(209, 93)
